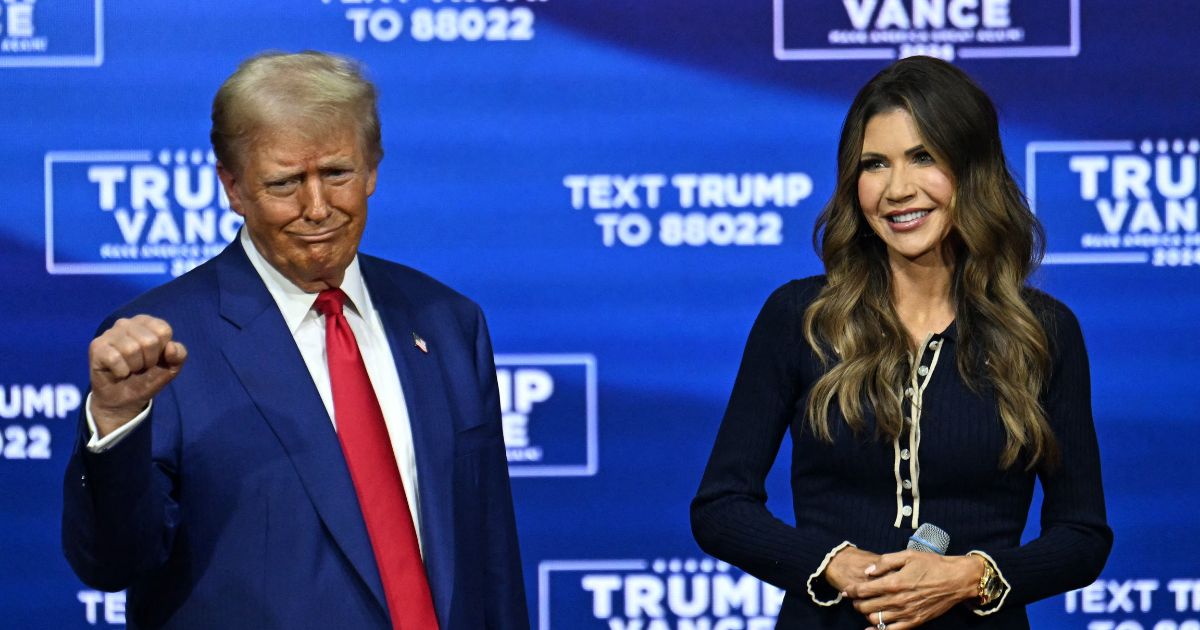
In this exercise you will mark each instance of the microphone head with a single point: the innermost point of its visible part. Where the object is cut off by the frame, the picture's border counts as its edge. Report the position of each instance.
(929, 538)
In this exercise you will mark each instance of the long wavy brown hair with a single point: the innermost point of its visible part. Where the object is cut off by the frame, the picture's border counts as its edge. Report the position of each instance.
(995, 242)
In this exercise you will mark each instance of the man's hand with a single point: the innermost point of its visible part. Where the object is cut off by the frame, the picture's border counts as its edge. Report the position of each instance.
(849, 566)
(914, 587)
(130, 363)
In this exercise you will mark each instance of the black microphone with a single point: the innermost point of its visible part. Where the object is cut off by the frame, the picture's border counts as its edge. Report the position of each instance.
(930, 538)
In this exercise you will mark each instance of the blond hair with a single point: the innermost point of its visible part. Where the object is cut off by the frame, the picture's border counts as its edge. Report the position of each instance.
(314, 92)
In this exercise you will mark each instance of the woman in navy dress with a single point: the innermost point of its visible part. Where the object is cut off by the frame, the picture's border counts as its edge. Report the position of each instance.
(922, 381)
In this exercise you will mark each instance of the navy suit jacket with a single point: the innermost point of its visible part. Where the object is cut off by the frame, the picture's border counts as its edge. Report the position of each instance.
(232, 506)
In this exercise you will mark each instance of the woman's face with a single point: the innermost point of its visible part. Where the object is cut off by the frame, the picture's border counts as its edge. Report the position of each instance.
(904, 191)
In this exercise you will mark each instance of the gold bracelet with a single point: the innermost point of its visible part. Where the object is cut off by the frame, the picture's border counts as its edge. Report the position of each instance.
(989, 583)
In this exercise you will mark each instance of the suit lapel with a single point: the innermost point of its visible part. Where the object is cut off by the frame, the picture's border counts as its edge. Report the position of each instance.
(430, 417)
(265, 359)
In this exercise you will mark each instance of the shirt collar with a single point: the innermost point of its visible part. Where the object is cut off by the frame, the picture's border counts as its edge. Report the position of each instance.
(295, 303)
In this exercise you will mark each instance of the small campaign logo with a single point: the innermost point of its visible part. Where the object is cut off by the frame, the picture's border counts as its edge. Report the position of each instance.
(660, 594)
(51, 33)
(134, 212)
(949, 29)
(548, 402)
(1117, 201)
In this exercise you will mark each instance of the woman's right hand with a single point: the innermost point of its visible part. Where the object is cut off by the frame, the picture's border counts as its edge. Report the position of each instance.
(849, 566)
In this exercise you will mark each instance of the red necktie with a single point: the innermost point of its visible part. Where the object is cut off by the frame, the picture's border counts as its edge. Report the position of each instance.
(372, 463)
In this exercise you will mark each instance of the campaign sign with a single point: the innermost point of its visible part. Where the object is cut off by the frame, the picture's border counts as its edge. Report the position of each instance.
(653, 594)
(1117, 201)
(949, 29)
(134, 212)
(548, 402)
(51, 33)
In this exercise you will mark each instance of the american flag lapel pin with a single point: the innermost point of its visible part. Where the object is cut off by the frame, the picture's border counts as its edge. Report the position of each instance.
(420, 343)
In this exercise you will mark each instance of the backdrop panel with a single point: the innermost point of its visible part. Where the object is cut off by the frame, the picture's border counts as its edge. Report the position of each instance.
(620, 185)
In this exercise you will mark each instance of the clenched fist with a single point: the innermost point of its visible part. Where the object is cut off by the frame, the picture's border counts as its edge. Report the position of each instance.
(130, 363)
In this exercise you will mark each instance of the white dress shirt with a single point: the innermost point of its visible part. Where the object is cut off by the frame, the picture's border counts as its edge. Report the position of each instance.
(308, 330)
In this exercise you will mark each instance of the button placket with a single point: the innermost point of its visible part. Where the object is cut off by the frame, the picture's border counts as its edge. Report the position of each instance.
(907, 444)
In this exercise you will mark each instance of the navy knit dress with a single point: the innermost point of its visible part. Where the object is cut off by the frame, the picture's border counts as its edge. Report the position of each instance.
(942, 469)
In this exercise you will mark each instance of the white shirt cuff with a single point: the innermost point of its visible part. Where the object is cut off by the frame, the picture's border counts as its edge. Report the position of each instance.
(98, 444)
(821, 569)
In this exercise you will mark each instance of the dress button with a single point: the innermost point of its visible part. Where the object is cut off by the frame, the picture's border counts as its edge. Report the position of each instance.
(907, 511)
(923, 370)
(933, 345)
(907, 484)
(904, 454)
(908, 392)
(908, 419)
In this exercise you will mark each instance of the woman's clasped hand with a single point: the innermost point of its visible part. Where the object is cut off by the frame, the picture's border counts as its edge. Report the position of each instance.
(909, 587)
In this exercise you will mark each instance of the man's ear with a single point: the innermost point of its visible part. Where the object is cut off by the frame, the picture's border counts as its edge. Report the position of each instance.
(229, 181)
(371, 176)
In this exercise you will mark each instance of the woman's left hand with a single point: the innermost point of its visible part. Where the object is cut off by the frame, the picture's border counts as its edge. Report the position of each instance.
(913, 587)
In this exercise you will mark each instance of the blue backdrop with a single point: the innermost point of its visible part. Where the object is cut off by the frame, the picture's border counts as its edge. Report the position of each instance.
(620, 185)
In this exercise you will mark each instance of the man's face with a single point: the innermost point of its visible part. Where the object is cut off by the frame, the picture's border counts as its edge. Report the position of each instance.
(304, 200)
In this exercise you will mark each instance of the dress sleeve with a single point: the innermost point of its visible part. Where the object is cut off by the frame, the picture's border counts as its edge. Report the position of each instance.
(1075, 538)
(730, 520)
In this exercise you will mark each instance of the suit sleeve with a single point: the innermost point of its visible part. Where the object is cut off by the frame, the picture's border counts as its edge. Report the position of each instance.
(1075, 538)
(119, 512)
(505, 605)
(730, 519)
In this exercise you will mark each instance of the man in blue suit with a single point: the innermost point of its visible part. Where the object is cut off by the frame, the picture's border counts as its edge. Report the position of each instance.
(326, 450)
